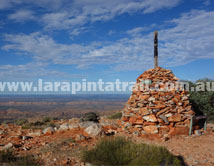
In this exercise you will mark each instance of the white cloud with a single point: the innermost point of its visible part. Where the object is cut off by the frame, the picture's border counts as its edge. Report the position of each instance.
(138, 30)
(80, 12)
(71, 15)
(22, 15)
(31, 71)
(50, 5)
(189, 38)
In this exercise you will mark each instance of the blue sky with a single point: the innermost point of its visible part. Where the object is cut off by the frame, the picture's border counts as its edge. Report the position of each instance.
(108, 39)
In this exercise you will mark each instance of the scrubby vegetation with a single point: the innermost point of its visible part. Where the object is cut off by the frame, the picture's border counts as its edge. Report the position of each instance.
(203, 99)
(90, 116)
(21, 121)
(46, 122)
(117, 115)
(119, 151)
(8, 158)
(46, 119)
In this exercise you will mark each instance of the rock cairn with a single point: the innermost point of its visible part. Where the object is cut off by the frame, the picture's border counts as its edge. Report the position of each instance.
(162, 112)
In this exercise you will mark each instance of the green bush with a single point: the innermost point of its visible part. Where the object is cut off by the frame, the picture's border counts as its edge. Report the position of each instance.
(46, 119)
(117, 115)
(90, 116)
(8, 158)
(119, 151)
(33, 125)
(203, 101)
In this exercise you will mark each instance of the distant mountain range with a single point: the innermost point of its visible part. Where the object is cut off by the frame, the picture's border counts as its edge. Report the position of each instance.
(13, 107)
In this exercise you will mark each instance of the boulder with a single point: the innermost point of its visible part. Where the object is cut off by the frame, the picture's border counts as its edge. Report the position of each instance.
(86, 124)
(48, 130)
(63, 127)
(73, 126)
(93, 130)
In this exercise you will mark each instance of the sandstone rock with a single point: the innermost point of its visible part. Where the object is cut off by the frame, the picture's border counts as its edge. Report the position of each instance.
(73, 126)
(86, 124)
(93, 130)
(63, 127)
(150, 129)
(179, 130)
(168, 115)
(150, 118)
(48, 130)
(163, 130)
(151, 99)
(175, 118)
(144, 111)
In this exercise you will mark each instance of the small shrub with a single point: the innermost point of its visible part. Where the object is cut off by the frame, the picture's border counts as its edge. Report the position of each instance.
(38, 123)
(7, 122)
(21, 121)
(46, 119)
(117, 115)
(119, 151)
(51, 125)
(90, 116)
(33, 125)
(7, 157)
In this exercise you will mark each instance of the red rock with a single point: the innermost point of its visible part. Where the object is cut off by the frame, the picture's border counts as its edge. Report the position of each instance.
(144, 97)
(150, 129)
(163, 130)
(179, 130)
(190, 112)
(157, 107)
(162, 111)
(132, 130)
(138, 122)
(175, 118)
(149, 124)
(144, 111)
(132, 119)
(125, 119)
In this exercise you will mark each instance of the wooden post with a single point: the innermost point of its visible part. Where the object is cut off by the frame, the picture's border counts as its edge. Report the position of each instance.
(156, 49)
(191, 125)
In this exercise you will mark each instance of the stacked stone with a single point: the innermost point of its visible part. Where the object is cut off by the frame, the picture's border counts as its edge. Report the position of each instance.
(157, 111)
